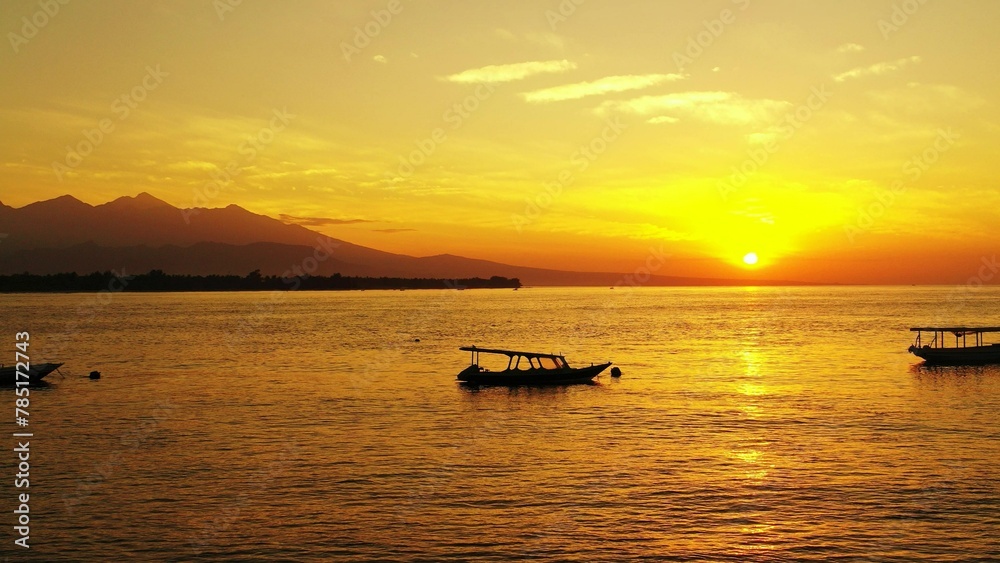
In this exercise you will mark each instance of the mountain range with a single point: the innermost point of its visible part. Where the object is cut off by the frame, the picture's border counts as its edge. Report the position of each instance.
(143, 233)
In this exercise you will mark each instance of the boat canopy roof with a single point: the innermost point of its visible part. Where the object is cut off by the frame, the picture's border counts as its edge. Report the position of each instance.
(957, 329)
(509, 353)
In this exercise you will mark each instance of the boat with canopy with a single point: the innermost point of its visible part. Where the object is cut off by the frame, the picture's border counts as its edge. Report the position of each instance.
(970, 346)
(527, 368)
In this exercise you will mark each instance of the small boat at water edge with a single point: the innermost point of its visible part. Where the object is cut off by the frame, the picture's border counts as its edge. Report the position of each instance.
(527, 368)
(35, 373)
(936, 351)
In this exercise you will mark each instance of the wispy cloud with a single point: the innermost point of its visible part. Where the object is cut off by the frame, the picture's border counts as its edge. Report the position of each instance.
(189, 165)
(850, 48)
(605, 85)
(392, 231)
(727, 108)
(876, 69)
(510, 72)
(662, 119)
(320, 221)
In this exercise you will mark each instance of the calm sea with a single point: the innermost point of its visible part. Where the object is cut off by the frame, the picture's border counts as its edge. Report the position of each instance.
(751, 424)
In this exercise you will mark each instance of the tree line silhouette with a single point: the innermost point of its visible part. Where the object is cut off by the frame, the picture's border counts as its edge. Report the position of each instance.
(158, 280)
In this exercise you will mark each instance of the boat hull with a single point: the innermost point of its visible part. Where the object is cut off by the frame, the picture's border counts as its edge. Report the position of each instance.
(972, 355)
(35, 373)
(473, 376)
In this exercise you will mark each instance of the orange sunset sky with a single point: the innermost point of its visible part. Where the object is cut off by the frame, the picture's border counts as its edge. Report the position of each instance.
(852, 141)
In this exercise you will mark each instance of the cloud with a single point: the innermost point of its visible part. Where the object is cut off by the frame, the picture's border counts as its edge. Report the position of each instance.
(850, 48)
(380, 59)
(605, 85)
(771, 134)
(727, 108)
(662, 119)
(876, 69)
(192, 165)
(320, 221)
(510, 72)
(392, 231)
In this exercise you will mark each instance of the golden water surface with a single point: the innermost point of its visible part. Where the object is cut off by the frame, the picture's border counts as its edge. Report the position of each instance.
(750, 424)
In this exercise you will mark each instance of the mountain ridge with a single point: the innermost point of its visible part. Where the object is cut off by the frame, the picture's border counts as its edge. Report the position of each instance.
(142, 233)
(287, 260)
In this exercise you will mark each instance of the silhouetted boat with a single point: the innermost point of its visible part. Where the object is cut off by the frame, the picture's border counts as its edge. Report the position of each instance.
(35, 373)
(936, 352)
(527, 368)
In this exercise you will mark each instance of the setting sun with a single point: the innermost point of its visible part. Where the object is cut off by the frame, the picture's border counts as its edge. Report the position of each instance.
(750, 259)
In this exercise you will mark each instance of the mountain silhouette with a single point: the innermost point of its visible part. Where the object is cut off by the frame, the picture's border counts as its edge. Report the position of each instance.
(133, 221)
(143, 233)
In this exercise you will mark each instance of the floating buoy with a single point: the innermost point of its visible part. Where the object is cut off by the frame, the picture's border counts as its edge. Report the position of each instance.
(95, 375)
(615, 372)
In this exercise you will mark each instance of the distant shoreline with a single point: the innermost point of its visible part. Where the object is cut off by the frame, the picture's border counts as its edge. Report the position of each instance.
(158, 281)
